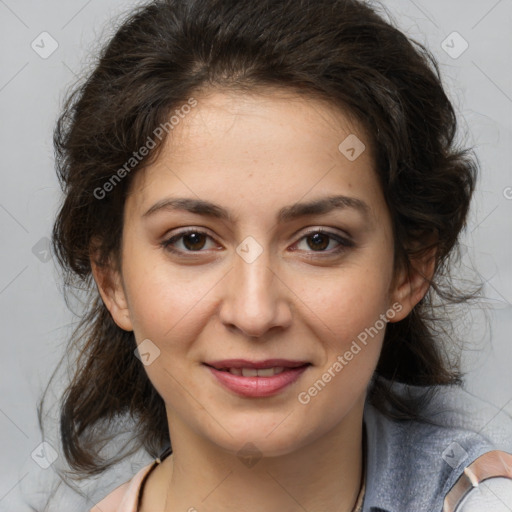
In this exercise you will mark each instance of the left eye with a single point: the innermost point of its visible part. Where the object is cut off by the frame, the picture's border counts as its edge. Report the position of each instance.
(317, 241)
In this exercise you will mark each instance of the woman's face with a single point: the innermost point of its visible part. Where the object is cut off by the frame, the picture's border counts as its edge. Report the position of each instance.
(289, 257)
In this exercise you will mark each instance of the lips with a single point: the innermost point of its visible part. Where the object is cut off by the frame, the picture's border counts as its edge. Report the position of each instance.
(256, 378)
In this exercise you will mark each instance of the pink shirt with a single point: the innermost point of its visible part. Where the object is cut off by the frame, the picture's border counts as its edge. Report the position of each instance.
(125, 498)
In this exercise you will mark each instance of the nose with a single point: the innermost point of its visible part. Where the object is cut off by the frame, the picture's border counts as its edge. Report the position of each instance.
(255, 299)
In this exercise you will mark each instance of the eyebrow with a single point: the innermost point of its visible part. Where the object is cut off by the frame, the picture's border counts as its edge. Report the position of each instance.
(320, 206)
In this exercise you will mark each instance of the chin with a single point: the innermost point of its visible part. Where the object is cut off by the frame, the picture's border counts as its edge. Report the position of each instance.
(263, 439)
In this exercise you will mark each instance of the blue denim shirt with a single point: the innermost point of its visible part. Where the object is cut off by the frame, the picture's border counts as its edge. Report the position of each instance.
(412, 465)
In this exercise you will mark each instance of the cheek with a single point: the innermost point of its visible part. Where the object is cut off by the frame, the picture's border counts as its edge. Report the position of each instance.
(166, 303)
(349, 323)
(348, 301)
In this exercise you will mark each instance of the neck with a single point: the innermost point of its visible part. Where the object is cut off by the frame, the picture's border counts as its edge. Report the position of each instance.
(199, 476)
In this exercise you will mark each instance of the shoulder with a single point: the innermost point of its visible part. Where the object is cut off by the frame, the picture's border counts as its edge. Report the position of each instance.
(413, 465)
(125, 497)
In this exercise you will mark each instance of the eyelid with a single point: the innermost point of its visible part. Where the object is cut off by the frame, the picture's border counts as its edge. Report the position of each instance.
(325, 230)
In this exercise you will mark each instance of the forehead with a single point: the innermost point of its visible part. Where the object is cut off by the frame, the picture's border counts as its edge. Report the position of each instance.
(271, 111)
(259, 141)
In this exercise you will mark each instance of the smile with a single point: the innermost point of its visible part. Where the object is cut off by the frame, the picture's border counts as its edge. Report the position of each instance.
(252, 379)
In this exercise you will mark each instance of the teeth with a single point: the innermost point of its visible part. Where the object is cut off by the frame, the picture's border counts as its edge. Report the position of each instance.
(249, 372)
(253, 372)
(268, 372)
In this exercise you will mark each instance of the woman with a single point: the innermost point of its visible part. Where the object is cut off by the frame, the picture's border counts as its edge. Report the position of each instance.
(265, 198)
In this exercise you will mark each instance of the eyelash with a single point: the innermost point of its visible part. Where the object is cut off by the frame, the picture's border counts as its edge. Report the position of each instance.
(345, 243)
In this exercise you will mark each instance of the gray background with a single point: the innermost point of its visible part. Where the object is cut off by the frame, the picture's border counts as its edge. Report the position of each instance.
(35, 320)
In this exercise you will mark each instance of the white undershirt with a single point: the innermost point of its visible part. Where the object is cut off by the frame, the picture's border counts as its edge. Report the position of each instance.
(492, 495)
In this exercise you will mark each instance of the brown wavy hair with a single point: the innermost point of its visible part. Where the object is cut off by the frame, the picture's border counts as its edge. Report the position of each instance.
(163, 53)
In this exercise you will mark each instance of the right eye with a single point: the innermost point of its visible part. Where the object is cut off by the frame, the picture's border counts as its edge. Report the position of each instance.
(192, 240)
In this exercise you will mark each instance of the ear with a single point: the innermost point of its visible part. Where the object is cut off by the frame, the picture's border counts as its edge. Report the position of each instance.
(109, 282)
(411, 284)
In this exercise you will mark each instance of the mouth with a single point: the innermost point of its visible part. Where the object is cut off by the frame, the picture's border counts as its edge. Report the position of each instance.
(257, 378)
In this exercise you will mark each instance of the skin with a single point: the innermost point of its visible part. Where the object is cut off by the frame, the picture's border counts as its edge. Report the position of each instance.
(254, 154)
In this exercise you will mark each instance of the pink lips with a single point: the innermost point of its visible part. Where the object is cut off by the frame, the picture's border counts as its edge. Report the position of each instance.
(257, 386)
